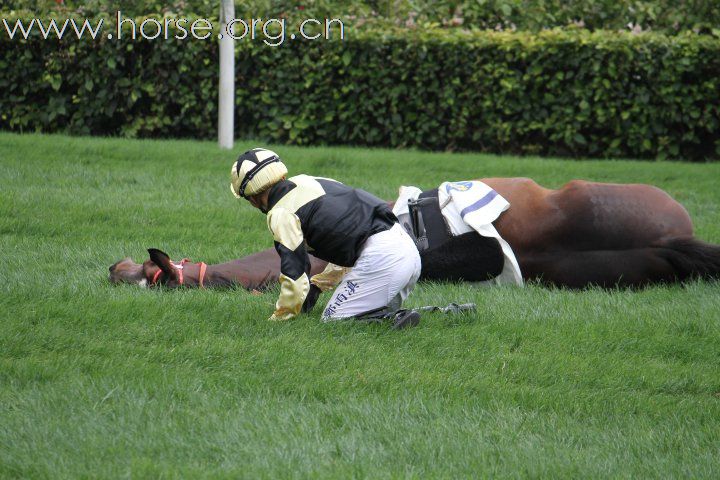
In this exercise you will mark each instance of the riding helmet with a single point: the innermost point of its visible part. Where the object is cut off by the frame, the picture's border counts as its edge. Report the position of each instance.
(255, 171)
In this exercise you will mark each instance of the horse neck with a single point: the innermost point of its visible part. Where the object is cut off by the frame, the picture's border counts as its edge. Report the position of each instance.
(251, 272)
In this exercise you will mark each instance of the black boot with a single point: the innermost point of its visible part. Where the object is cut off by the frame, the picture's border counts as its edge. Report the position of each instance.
(405, 318)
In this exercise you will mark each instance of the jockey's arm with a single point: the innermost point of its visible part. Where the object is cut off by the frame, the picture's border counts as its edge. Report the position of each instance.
(294, 263)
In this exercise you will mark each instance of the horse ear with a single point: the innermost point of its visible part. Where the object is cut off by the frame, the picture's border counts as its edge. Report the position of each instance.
(162, 260)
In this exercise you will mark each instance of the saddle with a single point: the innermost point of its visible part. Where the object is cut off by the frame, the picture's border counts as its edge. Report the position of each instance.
(446, 257)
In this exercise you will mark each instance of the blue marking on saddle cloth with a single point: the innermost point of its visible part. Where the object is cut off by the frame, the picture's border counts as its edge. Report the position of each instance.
(459, 186)
(479, 204)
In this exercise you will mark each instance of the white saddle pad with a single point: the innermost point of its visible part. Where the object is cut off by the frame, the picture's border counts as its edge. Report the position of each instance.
(468, 206)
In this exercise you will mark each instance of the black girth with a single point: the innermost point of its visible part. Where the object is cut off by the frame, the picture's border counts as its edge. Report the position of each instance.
(427, 222)
(467, 257)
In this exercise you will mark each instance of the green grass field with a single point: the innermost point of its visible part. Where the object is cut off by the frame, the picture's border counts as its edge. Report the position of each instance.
(102, 381)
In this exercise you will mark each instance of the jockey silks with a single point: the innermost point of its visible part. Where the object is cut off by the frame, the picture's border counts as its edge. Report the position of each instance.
(323, 216)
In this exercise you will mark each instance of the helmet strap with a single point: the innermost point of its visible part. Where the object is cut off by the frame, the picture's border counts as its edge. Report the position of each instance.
(254, 171)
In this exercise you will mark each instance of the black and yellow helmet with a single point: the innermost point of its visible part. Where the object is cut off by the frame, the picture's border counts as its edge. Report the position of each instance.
(255, 171)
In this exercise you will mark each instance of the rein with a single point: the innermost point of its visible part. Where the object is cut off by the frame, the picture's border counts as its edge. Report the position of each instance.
(201, 276)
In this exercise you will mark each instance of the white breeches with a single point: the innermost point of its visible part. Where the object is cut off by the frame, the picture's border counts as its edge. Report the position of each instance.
(383, 276)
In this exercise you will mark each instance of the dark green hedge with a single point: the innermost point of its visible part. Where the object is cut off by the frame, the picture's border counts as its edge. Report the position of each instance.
(569, 93)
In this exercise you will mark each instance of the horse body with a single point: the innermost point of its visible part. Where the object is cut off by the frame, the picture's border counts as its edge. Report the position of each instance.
(597, 233)
(583, 216)
(581, 234)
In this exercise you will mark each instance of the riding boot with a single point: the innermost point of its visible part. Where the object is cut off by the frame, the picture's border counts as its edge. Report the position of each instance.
(400, 318)
(405, 319)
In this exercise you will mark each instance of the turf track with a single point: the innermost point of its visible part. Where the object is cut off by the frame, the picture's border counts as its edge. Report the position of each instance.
(105, 381)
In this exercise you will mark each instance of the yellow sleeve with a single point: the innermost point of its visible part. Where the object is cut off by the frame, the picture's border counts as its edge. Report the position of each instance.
(330, 277)
(294, 263)
(292, 296)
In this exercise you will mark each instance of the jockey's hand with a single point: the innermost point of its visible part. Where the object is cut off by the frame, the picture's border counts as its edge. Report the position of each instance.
(312, 298)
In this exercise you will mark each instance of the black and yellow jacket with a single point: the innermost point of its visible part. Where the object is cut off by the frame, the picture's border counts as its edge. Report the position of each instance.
(327, 218)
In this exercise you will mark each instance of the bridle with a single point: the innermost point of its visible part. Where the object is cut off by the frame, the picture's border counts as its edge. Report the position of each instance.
(201, 276)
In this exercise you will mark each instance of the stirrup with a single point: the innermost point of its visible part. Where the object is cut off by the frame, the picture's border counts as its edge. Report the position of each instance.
(452, 308)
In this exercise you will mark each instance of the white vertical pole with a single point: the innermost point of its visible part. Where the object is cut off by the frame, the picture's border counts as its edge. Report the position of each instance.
(226, 97)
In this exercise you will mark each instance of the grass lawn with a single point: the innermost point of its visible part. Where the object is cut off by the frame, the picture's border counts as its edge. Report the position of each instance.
(114, 381)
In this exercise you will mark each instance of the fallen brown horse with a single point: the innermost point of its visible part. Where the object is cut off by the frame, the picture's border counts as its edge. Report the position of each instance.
(582, 234)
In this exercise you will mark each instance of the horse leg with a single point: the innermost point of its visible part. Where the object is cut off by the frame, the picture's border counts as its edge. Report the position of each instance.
(603, 268)
(669, 260)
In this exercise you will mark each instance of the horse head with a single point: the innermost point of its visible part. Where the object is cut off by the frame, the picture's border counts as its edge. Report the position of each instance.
(255, 272)
(158, 269)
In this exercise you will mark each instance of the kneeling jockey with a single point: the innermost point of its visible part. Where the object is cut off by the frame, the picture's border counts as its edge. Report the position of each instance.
(373, 262)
